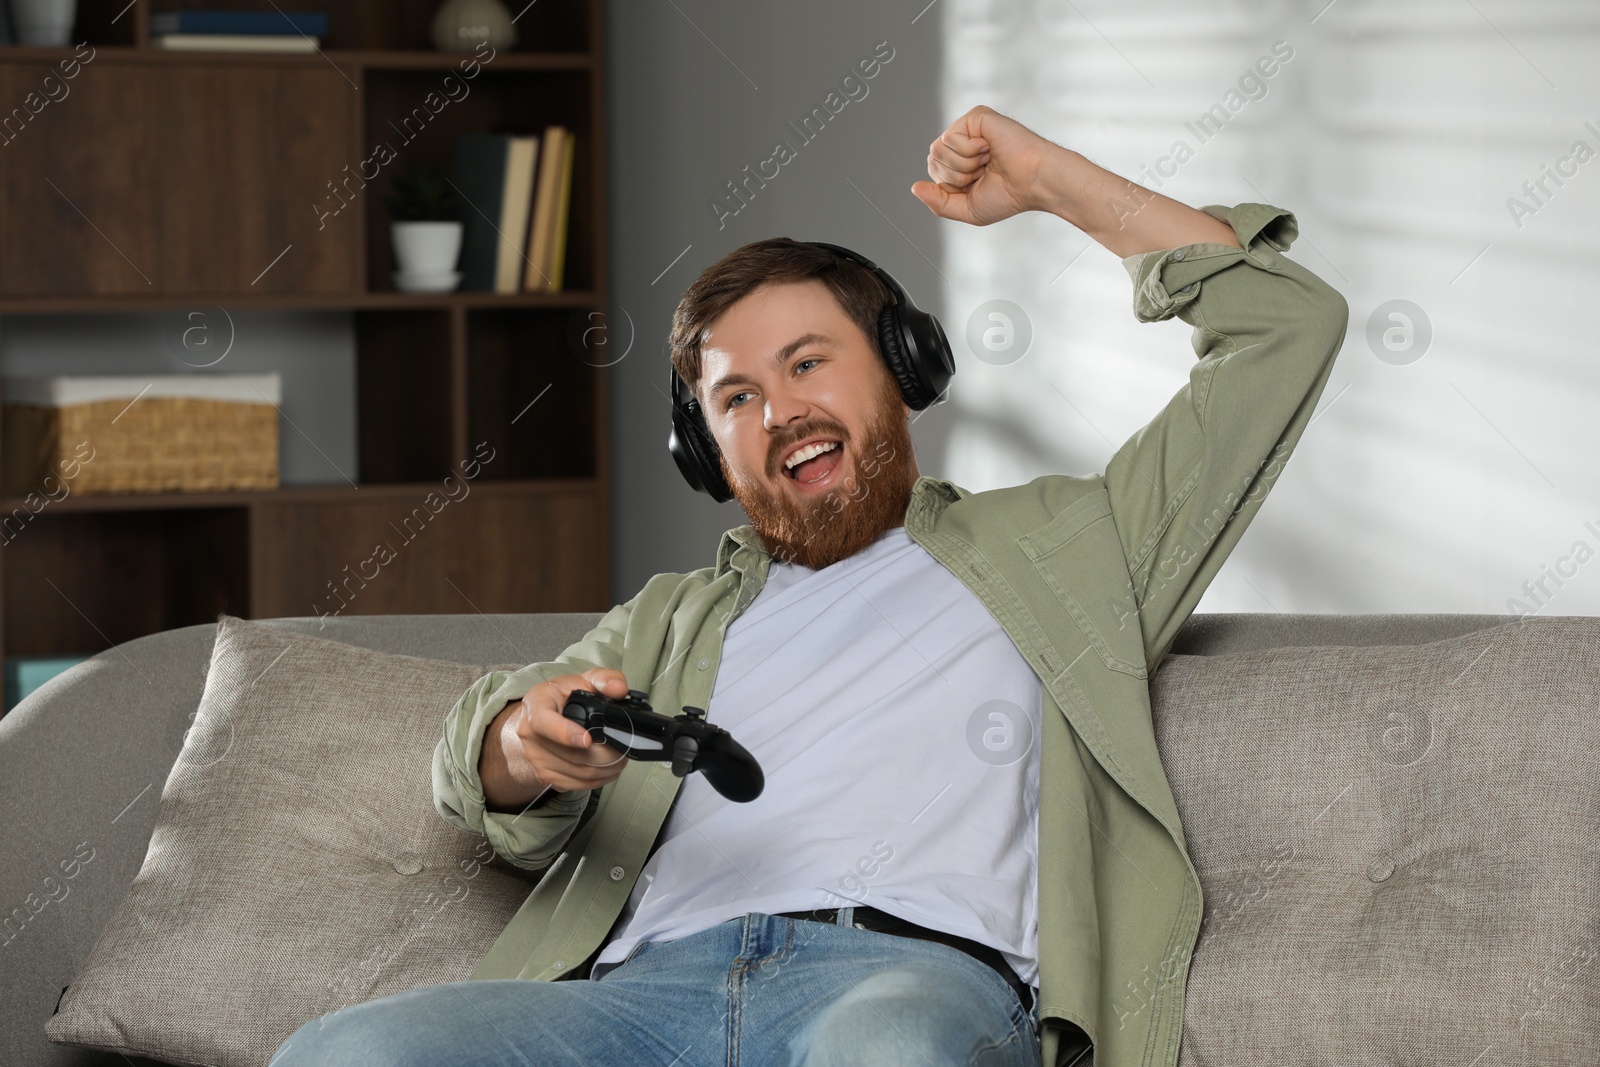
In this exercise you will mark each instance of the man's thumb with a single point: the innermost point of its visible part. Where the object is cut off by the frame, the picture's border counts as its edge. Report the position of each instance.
(931, 195)
(601, 677)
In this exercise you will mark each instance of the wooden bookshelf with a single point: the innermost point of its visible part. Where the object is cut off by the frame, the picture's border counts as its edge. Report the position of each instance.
(168, 181)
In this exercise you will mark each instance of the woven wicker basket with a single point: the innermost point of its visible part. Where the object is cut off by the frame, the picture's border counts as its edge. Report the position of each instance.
(157, 443)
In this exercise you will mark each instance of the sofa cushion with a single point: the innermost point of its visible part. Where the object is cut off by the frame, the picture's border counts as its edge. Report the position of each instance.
(297, 864)
(1397, 847)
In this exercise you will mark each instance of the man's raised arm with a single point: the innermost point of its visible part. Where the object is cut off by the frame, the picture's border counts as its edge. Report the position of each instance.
(989, 167)
(1184, 487)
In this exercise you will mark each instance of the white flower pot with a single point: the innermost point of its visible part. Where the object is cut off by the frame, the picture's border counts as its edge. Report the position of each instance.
(426, 247)
(427, 254)
(43, 22)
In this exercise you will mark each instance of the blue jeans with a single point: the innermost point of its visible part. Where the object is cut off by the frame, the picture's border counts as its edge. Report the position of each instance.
(758, 990)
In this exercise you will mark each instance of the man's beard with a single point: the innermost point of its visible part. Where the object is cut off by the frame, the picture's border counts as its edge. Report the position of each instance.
(824, 528)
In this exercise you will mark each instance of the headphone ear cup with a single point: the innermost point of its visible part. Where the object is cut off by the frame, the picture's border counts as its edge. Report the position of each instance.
(707, 457)
(935, 363)
(891, 342)
(693, 448)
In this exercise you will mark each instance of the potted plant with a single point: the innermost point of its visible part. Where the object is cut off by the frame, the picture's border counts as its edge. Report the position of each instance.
(425, 228)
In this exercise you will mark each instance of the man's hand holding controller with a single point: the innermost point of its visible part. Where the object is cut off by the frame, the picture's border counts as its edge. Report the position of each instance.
(531, 748)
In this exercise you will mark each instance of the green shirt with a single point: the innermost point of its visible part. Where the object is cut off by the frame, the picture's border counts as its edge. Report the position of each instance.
(1091, 577)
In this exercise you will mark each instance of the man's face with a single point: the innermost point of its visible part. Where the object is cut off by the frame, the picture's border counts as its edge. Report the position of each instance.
(785, 367)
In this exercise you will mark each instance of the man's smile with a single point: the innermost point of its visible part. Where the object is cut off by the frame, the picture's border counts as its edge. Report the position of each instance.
(813, 463)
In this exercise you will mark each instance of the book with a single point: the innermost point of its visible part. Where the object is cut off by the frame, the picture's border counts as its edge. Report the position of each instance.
(312, 23)
(515, 204)
(236, 42)
(558, 238)
(536, 277)
(479, 176)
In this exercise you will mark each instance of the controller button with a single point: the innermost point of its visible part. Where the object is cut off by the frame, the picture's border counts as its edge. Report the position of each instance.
(617, 873)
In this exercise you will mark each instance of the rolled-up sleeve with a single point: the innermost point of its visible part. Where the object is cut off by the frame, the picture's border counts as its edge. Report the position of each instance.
(1185, 486)
(531, 838)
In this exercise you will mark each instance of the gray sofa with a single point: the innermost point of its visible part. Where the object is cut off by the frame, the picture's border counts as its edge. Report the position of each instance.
(84, 758)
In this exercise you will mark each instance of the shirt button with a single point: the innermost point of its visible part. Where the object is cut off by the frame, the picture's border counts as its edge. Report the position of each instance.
(616, 874)
(559, 965)
(1178, 254)
(703, 664)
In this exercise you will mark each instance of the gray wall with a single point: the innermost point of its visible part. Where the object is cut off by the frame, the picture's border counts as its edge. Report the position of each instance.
(698, 90)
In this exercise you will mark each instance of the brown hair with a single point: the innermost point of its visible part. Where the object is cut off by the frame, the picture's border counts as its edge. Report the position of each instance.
(860, 293)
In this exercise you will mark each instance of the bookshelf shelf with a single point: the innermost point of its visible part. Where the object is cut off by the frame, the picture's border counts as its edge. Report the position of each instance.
(580, 61)
(377, 301)
(402, 492)
(440, 377)
(349, 58)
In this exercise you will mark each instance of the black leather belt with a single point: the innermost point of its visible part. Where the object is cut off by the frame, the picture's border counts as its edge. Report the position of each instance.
(883, 922)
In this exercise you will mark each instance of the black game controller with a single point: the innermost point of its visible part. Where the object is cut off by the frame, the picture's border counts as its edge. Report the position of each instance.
(633, 728)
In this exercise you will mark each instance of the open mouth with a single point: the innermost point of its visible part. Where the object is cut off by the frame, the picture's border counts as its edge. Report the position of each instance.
(822, 459)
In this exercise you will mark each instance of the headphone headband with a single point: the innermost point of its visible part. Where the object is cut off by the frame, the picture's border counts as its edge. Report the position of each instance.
(911, 342)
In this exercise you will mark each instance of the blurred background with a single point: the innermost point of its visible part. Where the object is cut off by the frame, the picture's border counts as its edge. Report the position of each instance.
(179, 202)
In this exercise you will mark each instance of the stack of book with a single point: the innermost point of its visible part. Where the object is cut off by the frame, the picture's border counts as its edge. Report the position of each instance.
(518, 190)
(239, 31)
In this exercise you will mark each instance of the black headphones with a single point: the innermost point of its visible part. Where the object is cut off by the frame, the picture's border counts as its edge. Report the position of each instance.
(913, 345)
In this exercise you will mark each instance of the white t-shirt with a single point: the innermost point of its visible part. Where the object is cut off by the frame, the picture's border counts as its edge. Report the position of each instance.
(898, 728)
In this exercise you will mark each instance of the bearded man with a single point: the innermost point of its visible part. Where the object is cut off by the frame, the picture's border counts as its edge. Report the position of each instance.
(966, 850)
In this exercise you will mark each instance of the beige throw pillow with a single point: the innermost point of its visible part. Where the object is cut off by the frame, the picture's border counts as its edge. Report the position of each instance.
(298, 864)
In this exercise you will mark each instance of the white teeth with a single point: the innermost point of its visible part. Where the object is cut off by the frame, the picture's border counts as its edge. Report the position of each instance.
(807, 452)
